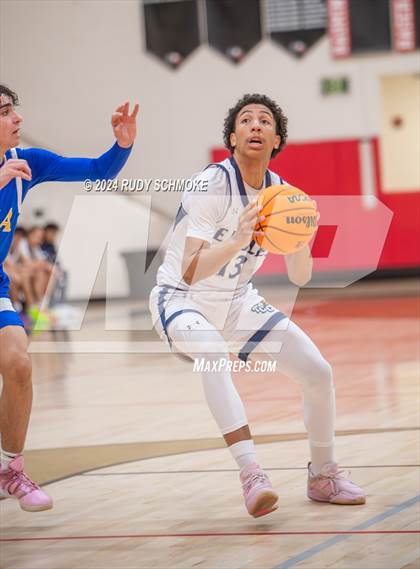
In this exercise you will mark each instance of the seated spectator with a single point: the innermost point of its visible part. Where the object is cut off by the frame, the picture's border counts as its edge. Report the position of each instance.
(34, 258)
(36, 275)
(21, 289)
(19, 241)
(20, 274)
(21, 292)
(49, 247)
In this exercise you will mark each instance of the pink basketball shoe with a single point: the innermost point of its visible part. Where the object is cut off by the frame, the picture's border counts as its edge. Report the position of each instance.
(14, 483)
(330, 486)
(260, 498)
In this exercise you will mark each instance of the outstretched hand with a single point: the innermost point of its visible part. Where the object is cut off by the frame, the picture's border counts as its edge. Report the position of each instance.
(124, 125)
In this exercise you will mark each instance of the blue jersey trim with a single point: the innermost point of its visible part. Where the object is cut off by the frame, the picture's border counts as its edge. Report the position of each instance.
(180, 214)
(161, 308)
(162, 311)
(182, 311)
(259, 335)
(226, 171)
(240, 182)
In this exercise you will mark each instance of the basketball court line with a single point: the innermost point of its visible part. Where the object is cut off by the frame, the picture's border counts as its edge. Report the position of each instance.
(64, 463)
(312, 551)
(203, 534)
(216, 470)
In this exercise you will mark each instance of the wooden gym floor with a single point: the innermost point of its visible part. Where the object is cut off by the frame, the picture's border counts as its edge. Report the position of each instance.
(140, 476)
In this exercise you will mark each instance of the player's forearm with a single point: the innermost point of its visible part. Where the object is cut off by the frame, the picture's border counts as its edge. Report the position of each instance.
(299, 266)
(109, 164)
(52, 167)
(207, 262)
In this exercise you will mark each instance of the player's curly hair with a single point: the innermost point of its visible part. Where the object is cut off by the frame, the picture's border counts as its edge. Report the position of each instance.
(4, 90)
(279, 117)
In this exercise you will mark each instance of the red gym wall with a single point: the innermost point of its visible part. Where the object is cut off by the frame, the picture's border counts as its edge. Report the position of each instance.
(333, 168)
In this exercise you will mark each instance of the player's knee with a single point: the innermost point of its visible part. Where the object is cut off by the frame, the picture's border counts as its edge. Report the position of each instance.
(321, 374)
(18, 369)
(213, 351)
(200, 344)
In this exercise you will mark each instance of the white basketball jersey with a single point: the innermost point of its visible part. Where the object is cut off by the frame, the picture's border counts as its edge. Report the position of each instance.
(213, 216)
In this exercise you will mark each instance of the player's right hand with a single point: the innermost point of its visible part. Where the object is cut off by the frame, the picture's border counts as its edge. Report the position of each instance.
(14, 168)
(246, 226)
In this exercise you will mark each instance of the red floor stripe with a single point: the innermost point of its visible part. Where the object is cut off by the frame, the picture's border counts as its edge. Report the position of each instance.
(205, 534)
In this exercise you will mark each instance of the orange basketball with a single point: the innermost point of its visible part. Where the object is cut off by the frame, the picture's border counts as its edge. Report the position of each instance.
(290, 219)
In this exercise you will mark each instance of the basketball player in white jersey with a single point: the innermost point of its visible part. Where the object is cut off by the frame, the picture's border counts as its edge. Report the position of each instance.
(205, 306)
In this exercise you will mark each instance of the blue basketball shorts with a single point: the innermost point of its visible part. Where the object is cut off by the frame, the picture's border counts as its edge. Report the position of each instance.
(8, 315)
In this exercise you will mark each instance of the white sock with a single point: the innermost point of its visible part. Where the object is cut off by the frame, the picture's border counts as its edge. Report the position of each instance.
(6, 458)
(243, 452)
(319, 456)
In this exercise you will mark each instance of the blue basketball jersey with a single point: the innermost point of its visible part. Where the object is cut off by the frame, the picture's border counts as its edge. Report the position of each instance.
(48, 167)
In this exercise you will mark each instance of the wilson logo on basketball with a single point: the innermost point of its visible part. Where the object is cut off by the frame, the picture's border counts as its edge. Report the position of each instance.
(298, 198)
(307, 220)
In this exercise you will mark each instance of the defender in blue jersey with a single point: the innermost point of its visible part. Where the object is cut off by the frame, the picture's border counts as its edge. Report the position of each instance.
(21, 170)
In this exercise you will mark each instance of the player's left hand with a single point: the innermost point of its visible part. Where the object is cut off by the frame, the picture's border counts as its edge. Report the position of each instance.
(124, 125)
